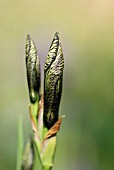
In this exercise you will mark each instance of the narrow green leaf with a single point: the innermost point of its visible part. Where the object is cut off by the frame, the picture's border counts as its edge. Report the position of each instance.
(20, 143)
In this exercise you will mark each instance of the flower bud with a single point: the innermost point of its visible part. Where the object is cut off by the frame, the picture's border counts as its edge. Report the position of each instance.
(33, 70)
(28, 155)
(53, 76)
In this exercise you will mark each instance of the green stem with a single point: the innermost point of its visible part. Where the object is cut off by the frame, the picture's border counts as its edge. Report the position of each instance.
(34, 112)
(46, 168)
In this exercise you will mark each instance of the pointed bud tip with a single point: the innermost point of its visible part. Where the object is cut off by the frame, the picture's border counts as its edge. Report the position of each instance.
(28, 36)
(57, 34)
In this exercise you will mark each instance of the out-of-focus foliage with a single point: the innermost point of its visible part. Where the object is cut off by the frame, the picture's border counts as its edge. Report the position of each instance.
(86, 139)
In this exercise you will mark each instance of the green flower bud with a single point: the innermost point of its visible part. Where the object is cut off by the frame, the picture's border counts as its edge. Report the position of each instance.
(53, 76)
(33, 69)
(28, 155)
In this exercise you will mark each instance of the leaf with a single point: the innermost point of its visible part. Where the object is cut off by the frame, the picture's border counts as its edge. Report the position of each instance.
(20, 143)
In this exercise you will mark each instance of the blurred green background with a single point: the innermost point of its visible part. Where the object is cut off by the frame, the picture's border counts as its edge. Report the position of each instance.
(86, 27)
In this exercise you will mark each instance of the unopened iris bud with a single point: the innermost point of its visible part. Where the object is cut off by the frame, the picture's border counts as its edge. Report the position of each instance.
(33, 70)
(28, 155)
(53, 76)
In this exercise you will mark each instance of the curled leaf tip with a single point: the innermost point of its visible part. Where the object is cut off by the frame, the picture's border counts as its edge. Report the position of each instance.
(33, 69)
(53, 76)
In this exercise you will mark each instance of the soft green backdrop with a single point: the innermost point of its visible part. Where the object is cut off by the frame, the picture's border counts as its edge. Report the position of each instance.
(86, 27)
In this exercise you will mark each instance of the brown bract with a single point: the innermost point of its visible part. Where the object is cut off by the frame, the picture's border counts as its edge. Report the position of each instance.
(54, 129)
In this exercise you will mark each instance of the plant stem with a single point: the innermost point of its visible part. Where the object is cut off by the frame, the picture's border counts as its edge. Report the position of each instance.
(34, 112)
(46, 168)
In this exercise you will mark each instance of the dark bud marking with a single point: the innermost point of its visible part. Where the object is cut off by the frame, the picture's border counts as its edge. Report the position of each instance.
(33, 69)
(53, 76)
